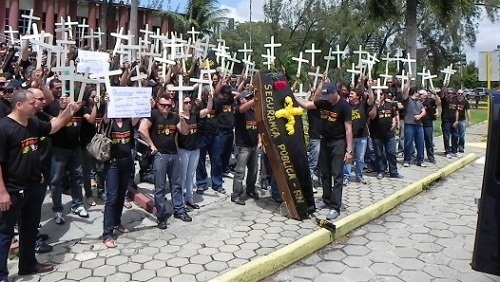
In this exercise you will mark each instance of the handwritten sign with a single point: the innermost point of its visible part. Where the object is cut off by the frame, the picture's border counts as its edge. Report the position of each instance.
(129, 102)
(95, 62)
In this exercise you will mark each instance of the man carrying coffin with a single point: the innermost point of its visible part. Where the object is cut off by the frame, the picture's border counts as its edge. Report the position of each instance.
(20, 178)
(336, 144)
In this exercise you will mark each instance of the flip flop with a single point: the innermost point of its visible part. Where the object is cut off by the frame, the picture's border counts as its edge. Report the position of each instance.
(110, 243)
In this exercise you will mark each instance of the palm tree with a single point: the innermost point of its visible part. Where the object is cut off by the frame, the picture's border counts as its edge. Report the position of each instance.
(203, 15)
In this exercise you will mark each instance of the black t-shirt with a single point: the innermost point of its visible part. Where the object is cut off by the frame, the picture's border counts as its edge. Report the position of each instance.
(163, 131)
(314, 120)
(5, 108)
(44, 141)
(224, 111)
(88, 130)
(190, 141)
(401, 112)
(207, 125)
(380, 126)
(430, 110)
(245, 128)
(359, 116)
(19, 154)
(462, 106)
(333, 118)
(449, 109)
(121, 139)
(68, 137)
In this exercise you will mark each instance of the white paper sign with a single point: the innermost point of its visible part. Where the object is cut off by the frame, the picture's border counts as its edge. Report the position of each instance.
(95, 62)
(129, 102)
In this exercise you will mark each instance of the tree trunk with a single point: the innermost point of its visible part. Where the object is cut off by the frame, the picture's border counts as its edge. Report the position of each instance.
(411, 33)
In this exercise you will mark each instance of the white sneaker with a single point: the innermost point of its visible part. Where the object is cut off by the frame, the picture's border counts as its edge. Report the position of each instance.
(459, 155)
(448, 156)
(58, 218)
(80, 211)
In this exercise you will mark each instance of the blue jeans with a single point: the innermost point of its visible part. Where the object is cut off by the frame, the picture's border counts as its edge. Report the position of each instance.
(189, 161)
(117, 176)
(66, 160)
(246, 157)
(429, 142)
(89, 171)
(206, 145)
(27, 208)
(448, 131)
(359, 158)
(414, 133)
(167, 165)
(223, 145)
(314, 155)
(460, 135)
(370, 158)
(385, 151)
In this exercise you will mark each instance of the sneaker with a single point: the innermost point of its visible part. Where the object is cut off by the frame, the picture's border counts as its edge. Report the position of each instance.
(162, 224)
(454, 155)
(253, 195)
(41, 247)
(345, 182)
(459, 155)
(380, 176)
(406, 164)
(397, 176)
(220, 190)
(432, 161)
(320, 205)
(58, 218)
(183, 216)
(422, 165)
(238, 201)
(362, 180)
(448, 156)
(80, 211)
(333, 214)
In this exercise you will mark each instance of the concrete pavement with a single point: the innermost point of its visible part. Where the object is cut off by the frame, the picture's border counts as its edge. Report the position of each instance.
(222, 237)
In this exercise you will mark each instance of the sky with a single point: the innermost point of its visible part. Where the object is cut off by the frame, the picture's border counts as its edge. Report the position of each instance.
(487, 36)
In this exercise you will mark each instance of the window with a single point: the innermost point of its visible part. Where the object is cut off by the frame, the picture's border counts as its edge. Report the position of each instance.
(23, 22)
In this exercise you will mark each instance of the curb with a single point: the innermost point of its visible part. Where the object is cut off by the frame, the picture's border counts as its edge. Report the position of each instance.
(262, 267)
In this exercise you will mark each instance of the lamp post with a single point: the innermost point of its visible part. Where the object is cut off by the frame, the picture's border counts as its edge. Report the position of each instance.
(250, 25)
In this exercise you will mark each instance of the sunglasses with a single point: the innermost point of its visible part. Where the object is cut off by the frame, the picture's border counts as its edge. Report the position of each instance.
(188, 102)
(165, 105)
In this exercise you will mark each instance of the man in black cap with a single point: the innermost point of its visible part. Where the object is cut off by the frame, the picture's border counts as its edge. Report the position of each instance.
(336, 143)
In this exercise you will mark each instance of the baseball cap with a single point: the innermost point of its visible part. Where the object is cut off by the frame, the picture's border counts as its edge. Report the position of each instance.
(13, 84)
(329, 88)
(246, 94)
(422, 92)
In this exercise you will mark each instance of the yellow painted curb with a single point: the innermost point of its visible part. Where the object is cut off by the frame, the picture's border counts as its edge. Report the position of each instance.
(262, 267)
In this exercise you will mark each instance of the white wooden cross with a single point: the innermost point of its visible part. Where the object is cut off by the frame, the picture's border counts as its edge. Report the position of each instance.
(430, 77)
(99, 35)
(69, 24)
(404, 78)
(67, 74)
(271, 47)
(30, 18)
(180, 90)
(193, 33)
(119, 36)
(245, 51)
(360, 53)
(146, 33)
(47, 46)
(252, 70)
(35, 34)
(346, 52)
(91, 36)
(63, 29)
(151, 55)
(398, 56)
(409, 61)
(156, 41)
(378, 88)
(222, 55)
(183, 58)
(316, 75)
(106, 75)
(448, 71)
(269, 59)
(301, 92)
(370, 62)
(11, 34)
(139, 76)
(338, 54)
(313, 51)
(232, 61)
(328, 58)
(423, 74)
(84, 80)
(164, 61)
(353, 71)
(61, 56)
(83, 27)
(300, 60)
(201, 82)
(248, 62)
(387, 59)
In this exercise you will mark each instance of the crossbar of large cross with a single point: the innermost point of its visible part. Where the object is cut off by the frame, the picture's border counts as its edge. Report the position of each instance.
(245, 51)
(180, 90)
(200, 81)
(353, 71)
(193, 33)
(316, 75)
(378, 88)
(338, 53)
(139, 76)
(429, 77)
(269, 59)
(106, 75)
(360, 53)
(448, 71)
(119, 36)
(271, 47)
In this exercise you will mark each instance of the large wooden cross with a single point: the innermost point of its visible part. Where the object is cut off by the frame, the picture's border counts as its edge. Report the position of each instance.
(67, 74)
(119, 37)
(313, 52)
(180, 90)
(353, 71)
(30, 18)
(164, 61)
(423, 74)
(269, 59)
(430, 77)
(408, 60)
(138, 76)
(201, 81)
(448, 72)
(99, 35)
(360, 52)
(271, 46)
(11, 34)
(146, 33)
(338, 53)
(316, 75)
(83, 27)
(328, 58)
(106, 75)
(245, 51)
(378, 88)
(300, 60)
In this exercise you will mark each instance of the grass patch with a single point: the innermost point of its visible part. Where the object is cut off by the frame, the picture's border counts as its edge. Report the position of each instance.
(477, 116)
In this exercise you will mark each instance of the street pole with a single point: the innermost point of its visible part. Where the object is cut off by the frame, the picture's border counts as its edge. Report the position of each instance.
(250, 25)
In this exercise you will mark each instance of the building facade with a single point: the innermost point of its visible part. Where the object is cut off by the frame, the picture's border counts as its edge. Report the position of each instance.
(51, 11)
